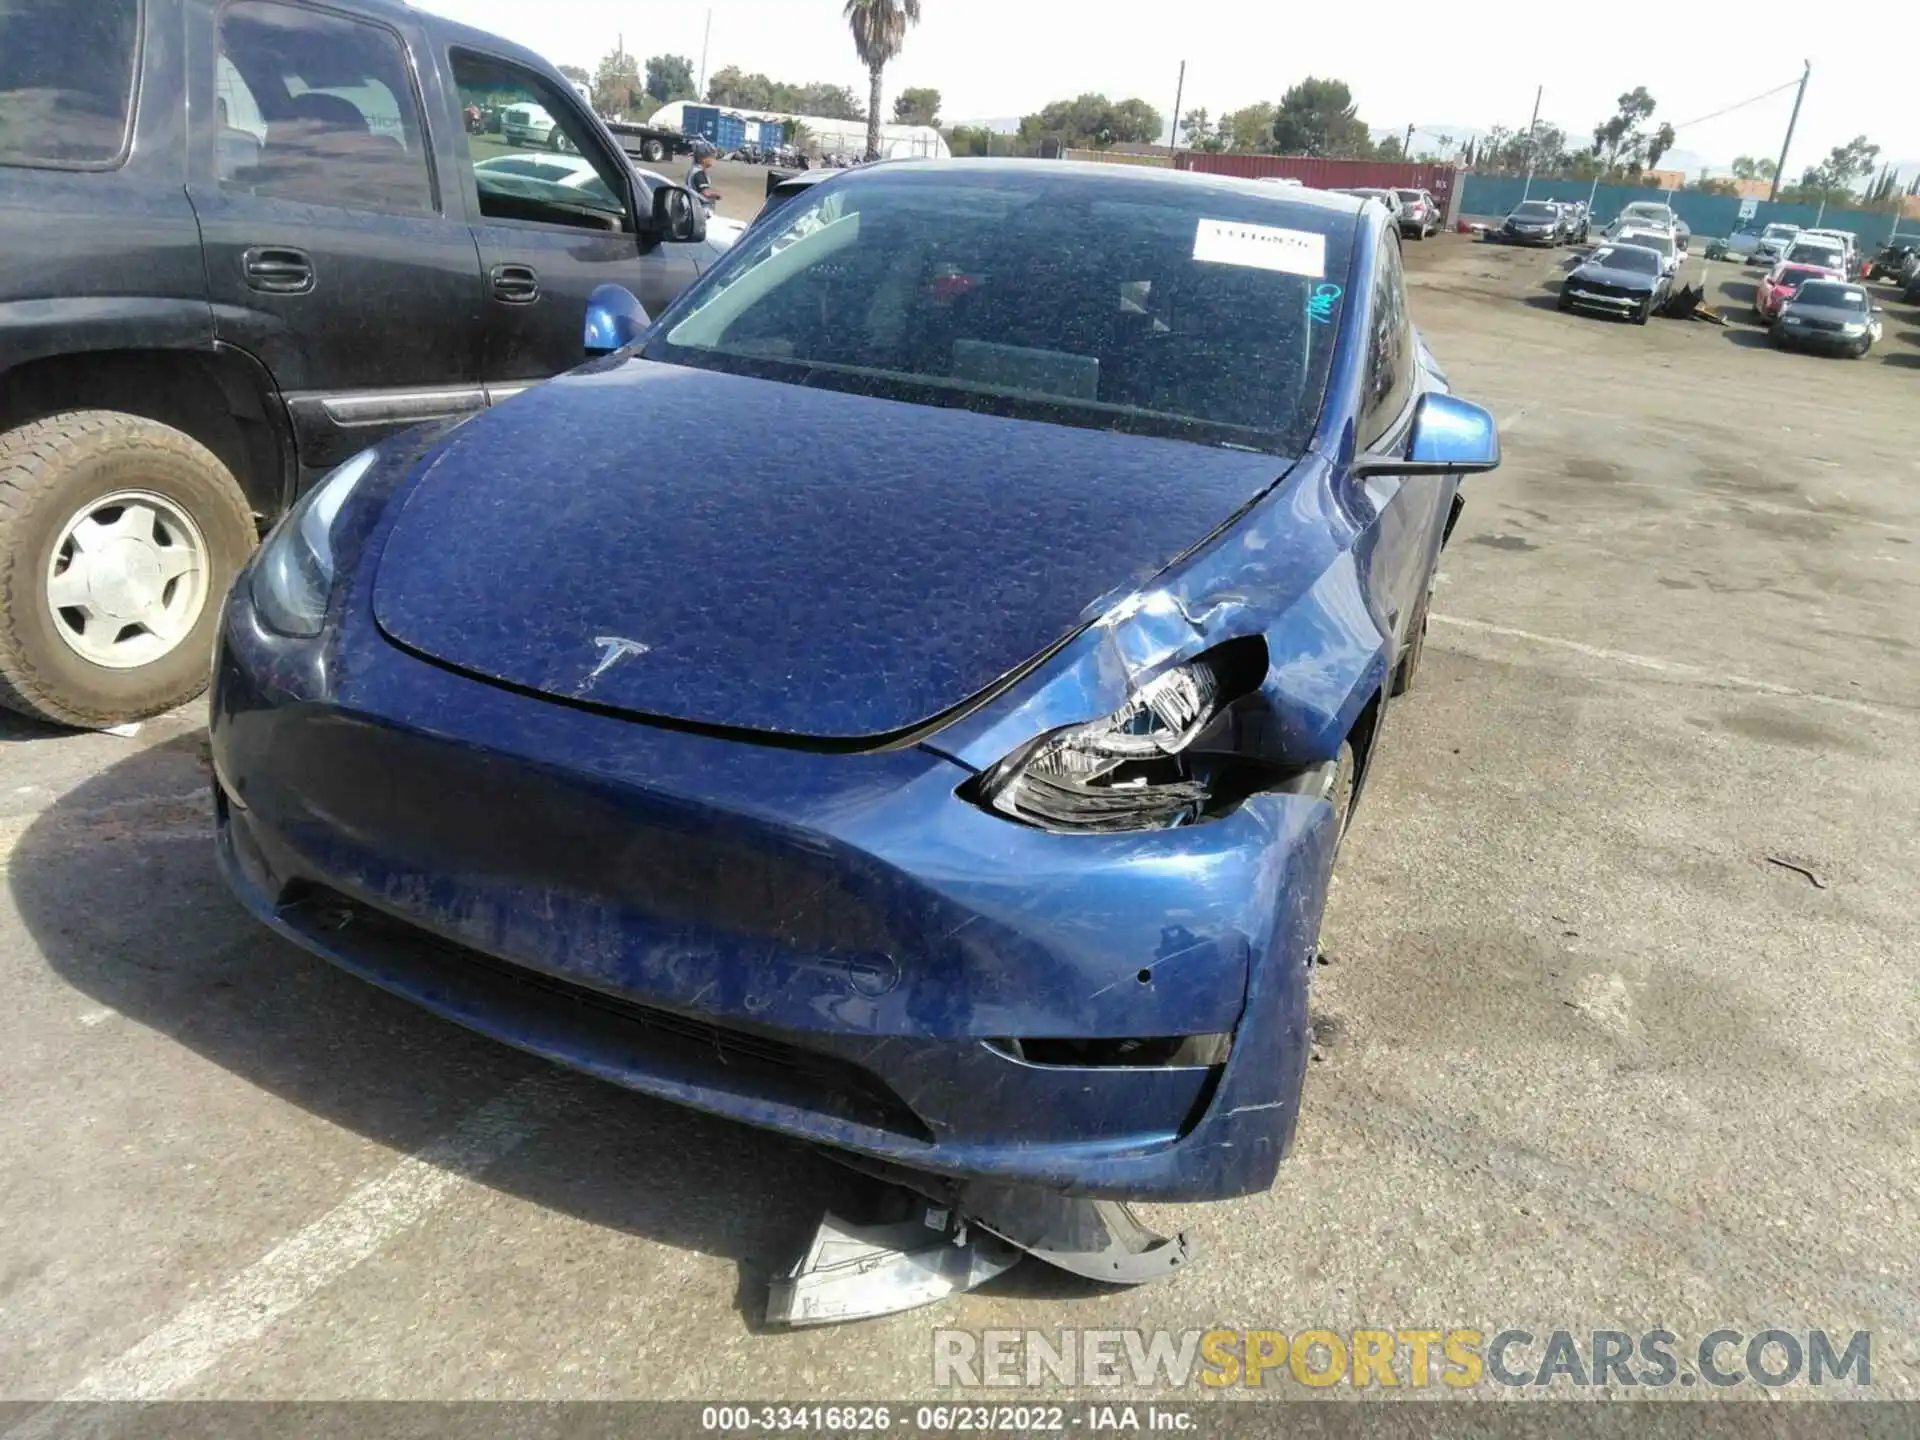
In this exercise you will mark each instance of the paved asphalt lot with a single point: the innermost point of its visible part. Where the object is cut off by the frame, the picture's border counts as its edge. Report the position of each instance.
(1592, 1059)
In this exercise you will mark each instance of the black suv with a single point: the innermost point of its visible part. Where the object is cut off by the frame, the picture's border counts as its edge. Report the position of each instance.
(238, 243)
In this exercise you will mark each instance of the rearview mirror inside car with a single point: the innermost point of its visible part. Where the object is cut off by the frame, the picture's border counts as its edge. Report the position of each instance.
(678, 214)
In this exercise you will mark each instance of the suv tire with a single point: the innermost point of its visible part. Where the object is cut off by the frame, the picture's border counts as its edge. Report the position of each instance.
(51, 471)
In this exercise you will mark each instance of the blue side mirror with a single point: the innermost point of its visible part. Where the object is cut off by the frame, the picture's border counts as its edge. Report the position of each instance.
(614, 320)
(1451, 436)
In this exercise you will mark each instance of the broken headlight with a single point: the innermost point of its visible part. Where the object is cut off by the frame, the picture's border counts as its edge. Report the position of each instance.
(1129, 771)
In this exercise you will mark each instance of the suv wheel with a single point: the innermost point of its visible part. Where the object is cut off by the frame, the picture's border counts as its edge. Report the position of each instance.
(118, 539)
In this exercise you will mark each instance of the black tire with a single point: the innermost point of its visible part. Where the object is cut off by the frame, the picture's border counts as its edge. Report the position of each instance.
(1561, 302)
(1412, 649)
(50, 470)
(654, 150)
(1643, 314)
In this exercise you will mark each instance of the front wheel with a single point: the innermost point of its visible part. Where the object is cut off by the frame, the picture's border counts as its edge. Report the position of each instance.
(1413, 647)
(1643, 314)
(119, 537)
(654, 150)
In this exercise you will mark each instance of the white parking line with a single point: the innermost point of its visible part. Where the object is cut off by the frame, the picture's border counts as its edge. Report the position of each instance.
(1675, 667)
(245, 1307)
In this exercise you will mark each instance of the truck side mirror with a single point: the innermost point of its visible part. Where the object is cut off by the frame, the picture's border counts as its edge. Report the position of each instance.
(678, 214)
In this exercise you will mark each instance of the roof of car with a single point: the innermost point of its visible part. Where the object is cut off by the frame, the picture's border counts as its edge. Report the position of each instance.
(1136, 178)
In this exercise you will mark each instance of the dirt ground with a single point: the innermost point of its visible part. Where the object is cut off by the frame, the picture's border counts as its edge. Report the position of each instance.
(1619, 1028)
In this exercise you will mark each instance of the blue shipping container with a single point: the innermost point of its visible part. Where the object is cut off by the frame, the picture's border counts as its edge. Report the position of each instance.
(732, 132)
(773, 134)
(701, 120)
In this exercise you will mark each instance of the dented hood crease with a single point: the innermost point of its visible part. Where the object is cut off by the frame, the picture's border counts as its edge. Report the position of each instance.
(725, 551)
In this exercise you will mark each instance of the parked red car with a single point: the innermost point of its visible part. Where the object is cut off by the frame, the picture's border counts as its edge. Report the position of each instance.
(1778, 285)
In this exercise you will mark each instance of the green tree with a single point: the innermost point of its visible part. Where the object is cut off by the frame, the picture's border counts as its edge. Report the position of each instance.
(879, 31)
(1746, 167)
(1196, 127)
(670, 77)
(1092, 122)
(1250, 128)
(1318, 117)
(576, 72)
(1622, 142)
(917, 105)
(616, 85)
(830, 102)
(1390, 148)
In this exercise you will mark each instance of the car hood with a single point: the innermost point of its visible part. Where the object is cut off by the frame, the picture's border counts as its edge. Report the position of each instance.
(1826, 314)
(1607, 275)
(737, 553)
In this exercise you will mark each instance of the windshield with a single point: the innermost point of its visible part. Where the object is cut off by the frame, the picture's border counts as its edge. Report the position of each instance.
(1825, 292)
(1537, 210)
(1628, 257)
(1193, 312)
(1640, 210)
(1412, 197)
(1780, 232)
(1662, 243)
(1828, 255)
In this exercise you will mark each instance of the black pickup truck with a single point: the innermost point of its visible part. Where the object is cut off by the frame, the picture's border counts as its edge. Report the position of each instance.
(240, 242)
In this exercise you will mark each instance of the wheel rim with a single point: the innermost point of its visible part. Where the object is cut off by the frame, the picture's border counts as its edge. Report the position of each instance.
(128, 580)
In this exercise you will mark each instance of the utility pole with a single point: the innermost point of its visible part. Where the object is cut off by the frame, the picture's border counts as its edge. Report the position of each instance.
(1781, 169)
(1406, 145)
(705, 40)
(1179, 94)
(1533, 128)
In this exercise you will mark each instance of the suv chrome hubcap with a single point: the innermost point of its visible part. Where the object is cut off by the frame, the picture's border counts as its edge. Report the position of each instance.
(128, 579)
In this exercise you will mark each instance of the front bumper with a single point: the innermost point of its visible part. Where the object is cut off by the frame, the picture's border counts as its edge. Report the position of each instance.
(1525, 237)
(832, 946)
(1799, 337)
(1610, 304)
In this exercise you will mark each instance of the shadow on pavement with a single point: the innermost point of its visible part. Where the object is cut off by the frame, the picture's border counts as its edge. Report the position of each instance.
(1753, 339)
(116, 882)
(1738, 291)
(1905, 362)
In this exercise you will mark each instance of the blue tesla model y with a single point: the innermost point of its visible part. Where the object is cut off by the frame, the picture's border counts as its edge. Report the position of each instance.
(909, 697)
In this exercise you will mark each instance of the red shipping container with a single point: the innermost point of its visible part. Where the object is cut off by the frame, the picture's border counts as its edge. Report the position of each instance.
(1322, 174)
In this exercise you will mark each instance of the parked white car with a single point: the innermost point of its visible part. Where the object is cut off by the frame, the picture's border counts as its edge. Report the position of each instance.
(1663, 242)
(1775, 241)
(527, 125)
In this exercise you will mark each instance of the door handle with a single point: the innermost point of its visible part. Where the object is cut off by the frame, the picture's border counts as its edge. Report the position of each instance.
(515, 284)
(277, 270)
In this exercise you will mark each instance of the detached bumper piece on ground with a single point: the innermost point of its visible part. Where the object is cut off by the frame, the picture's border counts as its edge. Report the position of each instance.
(934, 1237)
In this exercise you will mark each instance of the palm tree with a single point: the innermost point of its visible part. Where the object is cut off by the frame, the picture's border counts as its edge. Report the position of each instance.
(879, 30)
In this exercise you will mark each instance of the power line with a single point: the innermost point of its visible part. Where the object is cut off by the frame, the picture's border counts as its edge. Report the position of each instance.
(1763, 95)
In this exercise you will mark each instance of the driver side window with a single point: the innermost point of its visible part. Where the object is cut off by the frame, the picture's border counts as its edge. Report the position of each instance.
(532, 156)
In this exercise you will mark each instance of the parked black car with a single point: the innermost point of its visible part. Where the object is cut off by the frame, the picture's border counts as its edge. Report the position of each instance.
(1534, 222)
(1894, 258)
(1625, 280)
(1831, 315)
(291, 246)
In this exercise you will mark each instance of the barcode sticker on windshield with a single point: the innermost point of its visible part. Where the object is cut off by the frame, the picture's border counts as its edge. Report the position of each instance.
(1261, 247)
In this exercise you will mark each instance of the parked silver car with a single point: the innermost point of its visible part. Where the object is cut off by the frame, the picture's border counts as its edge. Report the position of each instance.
(1420, 213)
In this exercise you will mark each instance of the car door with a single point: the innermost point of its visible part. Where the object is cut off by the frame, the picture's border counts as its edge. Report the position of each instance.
(329, 254)
(555, 219)
(1409, 509)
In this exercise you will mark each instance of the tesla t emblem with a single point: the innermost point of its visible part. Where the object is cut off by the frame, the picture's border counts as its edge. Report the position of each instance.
(613, 649)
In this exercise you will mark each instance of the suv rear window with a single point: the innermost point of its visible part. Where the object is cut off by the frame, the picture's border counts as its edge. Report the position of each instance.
(66, 80)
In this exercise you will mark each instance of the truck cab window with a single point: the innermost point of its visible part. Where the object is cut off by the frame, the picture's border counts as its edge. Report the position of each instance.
(315, 107)
(532, 155)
